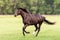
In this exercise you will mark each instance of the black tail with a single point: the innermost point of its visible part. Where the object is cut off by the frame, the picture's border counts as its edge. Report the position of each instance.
(49, 22)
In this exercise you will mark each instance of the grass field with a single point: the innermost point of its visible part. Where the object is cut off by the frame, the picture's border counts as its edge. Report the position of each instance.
(11, 29)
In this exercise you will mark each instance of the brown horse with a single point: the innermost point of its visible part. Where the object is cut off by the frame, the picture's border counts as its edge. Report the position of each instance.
(31, 19)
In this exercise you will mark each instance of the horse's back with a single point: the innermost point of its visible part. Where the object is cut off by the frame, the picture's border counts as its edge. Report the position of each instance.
(40, 16)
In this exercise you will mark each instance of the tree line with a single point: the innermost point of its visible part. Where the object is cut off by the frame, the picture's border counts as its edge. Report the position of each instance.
(34, 6)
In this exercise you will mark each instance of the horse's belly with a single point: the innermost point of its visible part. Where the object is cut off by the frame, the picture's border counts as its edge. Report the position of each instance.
(33, 22)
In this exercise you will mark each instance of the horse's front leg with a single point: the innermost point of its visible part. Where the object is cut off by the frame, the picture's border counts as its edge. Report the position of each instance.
(24, 30)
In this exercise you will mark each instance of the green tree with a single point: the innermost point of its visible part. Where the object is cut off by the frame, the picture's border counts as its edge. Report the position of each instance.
(51, 4)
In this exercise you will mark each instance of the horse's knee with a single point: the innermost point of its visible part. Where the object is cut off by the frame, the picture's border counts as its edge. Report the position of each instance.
(23, 28)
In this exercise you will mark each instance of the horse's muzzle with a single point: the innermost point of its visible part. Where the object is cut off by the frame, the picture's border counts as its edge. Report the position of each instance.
(14, 15)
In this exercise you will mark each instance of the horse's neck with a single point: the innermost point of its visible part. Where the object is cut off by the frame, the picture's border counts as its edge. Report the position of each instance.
(23, 14)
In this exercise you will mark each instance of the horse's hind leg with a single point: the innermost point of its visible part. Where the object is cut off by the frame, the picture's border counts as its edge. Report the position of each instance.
(39, 28)
(36, 27)
(24, 30)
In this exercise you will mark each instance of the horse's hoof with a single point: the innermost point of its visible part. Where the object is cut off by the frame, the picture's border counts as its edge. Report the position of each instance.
(34, 33)
(23, 34)
(28, 32)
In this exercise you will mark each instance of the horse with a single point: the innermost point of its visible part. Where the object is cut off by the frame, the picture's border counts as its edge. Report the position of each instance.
(31, 19)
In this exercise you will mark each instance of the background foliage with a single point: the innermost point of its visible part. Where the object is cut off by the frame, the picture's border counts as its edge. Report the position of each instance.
(34, 6)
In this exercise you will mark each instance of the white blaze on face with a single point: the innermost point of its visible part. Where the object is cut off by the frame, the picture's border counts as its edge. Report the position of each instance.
(16, 12)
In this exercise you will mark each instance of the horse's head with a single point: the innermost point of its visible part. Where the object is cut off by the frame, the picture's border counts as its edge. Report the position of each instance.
(17, 12)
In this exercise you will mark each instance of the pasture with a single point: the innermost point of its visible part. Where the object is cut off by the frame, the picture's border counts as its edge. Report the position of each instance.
(11, 29)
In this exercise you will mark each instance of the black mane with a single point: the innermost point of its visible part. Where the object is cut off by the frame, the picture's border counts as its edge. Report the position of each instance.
(23, 9)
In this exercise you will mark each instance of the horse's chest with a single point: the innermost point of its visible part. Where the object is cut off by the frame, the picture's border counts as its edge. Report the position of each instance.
(26, 21)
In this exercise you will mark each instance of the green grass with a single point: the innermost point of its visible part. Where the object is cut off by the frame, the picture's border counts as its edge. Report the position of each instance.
(11, 29)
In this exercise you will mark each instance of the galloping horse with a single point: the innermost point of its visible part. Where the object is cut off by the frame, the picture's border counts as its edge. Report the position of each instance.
(31, 19)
